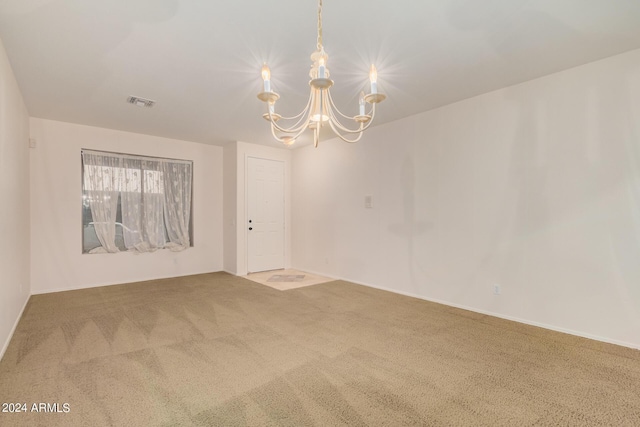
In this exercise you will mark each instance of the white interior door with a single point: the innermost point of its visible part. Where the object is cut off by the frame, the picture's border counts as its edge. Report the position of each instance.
(265, 214)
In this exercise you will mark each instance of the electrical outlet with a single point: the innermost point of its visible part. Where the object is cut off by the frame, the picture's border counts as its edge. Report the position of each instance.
(368, 202)
(496, 290)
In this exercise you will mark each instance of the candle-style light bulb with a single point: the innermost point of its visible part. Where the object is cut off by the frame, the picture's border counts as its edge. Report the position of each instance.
(361, 102)
(266, 76)
(321, 68)
(373, 78)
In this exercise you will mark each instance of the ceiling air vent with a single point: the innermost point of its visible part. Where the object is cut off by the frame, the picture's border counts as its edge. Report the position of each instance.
(141, 102)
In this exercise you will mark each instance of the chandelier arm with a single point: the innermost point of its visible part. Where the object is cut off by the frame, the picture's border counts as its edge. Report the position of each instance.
(301, 114)
(295, 128)
(284, 141)
(333, 107)
(342, 137)
(292, 129)
(332, 116)
(297, 116)
(337, 109)
(345, 129)
(273, 132)
(277, 138)
(337, 124)
(295, 136)
(361, 129)
(373, 115)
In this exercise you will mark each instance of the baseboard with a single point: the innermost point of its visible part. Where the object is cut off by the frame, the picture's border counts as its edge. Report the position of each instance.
(13, 329)
(516, 319)
(489, 313)
(230, 272)
(99, 285)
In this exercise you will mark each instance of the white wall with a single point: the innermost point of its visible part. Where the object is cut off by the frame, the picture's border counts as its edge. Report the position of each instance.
(235, 162)
(14, 202)
(535, 187)
(57, 262)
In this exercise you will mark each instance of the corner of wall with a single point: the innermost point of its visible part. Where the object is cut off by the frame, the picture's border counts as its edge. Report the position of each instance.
(229, 217)
(15, 280)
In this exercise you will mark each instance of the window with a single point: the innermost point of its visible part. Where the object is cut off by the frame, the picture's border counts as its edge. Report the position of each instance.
(134, 203)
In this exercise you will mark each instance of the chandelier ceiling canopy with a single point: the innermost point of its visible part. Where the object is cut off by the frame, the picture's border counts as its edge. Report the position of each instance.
(320, 109)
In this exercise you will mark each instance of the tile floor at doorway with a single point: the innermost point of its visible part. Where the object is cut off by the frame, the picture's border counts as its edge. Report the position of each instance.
(287, 279)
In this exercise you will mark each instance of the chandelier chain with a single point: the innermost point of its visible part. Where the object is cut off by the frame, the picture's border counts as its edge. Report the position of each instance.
(319, 25)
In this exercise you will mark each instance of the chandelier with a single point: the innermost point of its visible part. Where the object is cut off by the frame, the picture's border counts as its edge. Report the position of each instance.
(320, 109)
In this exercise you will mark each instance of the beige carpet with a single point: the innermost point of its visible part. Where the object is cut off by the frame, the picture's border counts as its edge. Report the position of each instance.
(216, 350)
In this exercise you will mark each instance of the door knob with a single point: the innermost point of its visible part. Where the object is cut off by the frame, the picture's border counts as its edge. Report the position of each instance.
(250, 228)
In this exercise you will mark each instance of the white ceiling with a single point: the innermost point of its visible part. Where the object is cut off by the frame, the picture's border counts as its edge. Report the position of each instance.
(78, 60)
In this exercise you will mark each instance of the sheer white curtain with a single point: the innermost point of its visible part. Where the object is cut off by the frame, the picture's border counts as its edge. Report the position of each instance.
(177, 206)
(153, 204)
(155, 200)
(102, 177)
(142, 203)
(130, 203)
